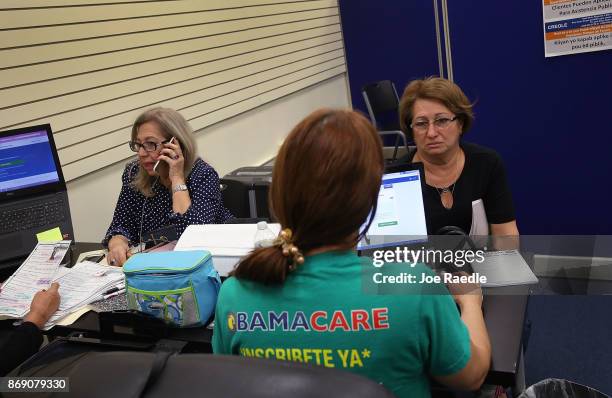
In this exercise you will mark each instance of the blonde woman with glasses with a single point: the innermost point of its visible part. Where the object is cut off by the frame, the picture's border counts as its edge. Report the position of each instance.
(166, 186)
(466, 184)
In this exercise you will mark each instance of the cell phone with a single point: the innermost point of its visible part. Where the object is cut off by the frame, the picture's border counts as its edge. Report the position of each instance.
(159, 160)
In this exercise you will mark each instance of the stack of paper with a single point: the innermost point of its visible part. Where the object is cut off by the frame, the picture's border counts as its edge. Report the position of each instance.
(227, 243)
(82, 284)
(36, 273)
(85, 283)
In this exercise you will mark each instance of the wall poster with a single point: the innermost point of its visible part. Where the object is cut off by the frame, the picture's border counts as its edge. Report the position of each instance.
(576, 26)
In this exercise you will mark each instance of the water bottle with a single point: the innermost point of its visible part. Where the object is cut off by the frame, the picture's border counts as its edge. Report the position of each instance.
(264, 237)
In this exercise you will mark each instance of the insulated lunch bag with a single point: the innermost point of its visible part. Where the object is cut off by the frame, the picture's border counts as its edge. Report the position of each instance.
(179, 287)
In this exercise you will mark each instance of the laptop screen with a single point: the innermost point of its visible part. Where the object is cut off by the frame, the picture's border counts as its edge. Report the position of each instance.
(28, 162)
(400, 213)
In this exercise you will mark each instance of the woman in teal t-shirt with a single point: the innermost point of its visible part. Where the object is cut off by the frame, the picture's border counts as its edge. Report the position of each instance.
(304, 298)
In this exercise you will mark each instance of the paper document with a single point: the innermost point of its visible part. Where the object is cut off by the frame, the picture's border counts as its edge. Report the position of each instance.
(84, 283)
(505, 268)
(221, 239)
(227, 243)
(480, 224)
(80, 285)
(74, 316)
(35, 273)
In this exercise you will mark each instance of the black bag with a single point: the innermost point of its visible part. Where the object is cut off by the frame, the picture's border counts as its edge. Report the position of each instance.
(161, 235)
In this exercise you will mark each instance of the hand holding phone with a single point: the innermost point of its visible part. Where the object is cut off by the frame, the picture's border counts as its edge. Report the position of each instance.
(159, 160)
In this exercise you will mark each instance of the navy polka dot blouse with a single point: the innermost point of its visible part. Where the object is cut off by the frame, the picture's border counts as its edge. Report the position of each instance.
(136, 215)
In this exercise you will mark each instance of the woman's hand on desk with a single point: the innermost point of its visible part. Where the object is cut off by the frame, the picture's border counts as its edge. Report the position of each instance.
(118, 250)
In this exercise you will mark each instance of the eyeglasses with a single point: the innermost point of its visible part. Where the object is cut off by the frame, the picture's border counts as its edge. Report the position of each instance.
(440, 123)
(148, 146)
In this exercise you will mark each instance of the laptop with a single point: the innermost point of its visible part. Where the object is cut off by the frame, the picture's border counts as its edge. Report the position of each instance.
(400, 214)
(33, 195)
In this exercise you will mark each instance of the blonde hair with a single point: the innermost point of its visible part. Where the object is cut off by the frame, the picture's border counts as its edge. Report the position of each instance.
(171, 124)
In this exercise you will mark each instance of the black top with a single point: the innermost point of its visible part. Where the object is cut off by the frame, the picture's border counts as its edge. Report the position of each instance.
(483, 177)
(135, 214)
(21, 344)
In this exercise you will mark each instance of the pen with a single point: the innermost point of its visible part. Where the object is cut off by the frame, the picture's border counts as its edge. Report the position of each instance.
(53, 252)
(118, 292)
(114, 289)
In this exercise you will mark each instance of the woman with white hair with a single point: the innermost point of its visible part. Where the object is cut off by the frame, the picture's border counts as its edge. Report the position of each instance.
(168, 185)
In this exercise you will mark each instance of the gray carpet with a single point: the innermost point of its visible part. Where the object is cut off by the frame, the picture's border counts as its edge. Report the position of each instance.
(571, 338)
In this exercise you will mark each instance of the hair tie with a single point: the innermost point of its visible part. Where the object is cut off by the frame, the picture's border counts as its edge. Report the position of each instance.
(285, 242)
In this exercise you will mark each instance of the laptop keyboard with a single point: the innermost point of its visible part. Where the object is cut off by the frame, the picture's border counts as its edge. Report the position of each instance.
(31, 217)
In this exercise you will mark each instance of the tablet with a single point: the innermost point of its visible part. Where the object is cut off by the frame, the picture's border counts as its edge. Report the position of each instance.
(400, 213)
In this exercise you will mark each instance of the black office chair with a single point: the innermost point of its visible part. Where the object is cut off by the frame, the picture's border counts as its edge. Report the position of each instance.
(382, 102)
(235, 196)
(248, 202)
(161, 374)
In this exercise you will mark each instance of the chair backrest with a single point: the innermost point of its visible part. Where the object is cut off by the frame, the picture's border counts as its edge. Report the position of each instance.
(244, 198)
(159, 374)
(235, 196)
(383, 104)
(234, 376)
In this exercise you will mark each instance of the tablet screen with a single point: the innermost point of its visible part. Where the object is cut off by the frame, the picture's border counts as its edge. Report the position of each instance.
(400, 213)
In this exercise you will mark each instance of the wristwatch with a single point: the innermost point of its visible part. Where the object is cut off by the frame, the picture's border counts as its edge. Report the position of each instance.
(179, 187)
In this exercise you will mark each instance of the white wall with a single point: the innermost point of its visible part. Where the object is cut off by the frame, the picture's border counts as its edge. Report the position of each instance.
(248, 139)
(90, 67)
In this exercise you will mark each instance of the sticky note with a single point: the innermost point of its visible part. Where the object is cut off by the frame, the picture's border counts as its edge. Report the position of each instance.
(51, 235)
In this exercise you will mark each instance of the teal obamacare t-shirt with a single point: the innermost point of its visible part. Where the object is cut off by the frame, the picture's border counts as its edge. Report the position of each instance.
(324, 315)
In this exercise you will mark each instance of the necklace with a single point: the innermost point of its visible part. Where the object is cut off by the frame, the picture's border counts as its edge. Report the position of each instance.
(446, 196)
